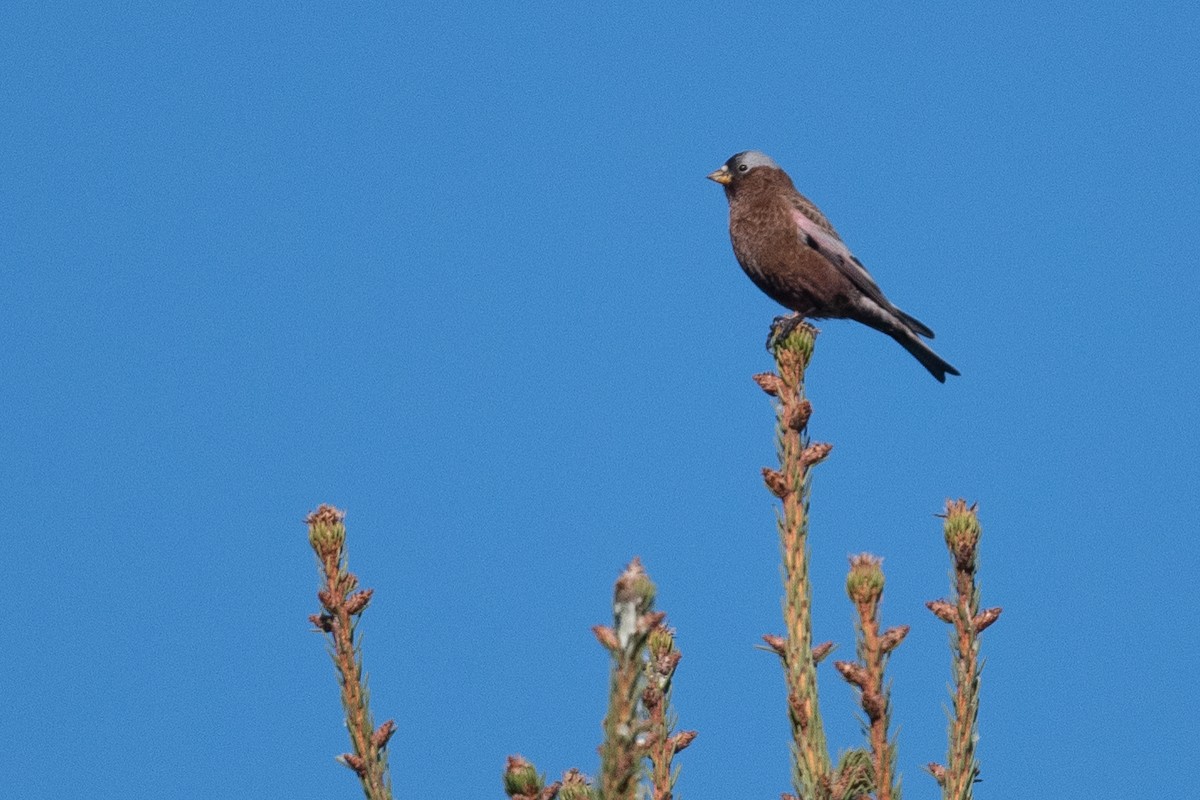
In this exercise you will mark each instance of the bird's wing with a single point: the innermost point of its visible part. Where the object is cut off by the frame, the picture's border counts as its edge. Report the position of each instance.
(809, 209)
(816, 232)
(824, 239)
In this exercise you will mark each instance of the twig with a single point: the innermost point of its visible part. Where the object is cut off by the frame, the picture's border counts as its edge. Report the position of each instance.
(811, 764)
(864, 585)
(620, 753)
(661, 743)
(343, 606)
(962, 531)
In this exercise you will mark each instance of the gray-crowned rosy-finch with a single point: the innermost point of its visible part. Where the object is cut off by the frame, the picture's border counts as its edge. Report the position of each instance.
(791, 252)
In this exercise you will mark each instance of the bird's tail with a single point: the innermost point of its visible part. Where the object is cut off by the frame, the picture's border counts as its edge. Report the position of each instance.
(913, 324)
(937, 366)
(908, 332)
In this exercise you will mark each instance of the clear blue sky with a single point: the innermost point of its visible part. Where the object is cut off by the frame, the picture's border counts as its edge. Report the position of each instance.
(458, 271)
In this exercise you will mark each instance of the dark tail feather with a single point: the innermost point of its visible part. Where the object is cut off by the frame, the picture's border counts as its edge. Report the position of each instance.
(937, 366)
(905, 329)
(914, 324)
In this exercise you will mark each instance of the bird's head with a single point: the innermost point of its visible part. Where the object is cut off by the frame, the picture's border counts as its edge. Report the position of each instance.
(733, 171)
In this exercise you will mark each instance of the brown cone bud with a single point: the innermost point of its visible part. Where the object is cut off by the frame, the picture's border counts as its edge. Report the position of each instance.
(354, 762)
(667, 663)
(777, 643)
(383, 734)
(607, 637)
(815, 454)
(681, 740)
(769, 382)
(821, 651)
(798, 415)
(852, 672)
(892, 638)
(944, 611)
(648, 622)
(358, 601)
(776, 483)
(872, 704)
(651, 698)
(796, 706)
(985, 618)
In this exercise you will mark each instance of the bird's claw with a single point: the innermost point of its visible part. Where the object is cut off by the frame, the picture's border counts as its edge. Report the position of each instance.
(782, 327)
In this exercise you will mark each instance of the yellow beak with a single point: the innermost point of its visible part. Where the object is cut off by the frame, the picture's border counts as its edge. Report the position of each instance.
(722, 176)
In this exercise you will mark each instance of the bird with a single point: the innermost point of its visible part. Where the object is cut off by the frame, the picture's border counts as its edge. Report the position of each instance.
(791, 252)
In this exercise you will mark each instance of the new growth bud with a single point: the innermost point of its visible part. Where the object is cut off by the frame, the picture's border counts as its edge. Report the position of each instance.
(326, 531)
(962, 533)
(797, 346)
(521, 778)
(661, 641)
(576, 786)
(634, 586)
(864, 584)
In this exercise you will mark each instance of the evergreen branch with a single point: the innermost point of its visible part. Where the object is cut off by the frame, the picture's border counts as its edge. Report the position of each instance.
(864, 585)
(812, 769)
(661, 743)
(962, 532)
(343, 606)
(633, 619)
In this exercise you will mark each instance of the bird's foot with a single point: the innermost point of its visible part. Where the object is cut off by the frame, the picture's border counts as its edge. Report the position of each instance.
(782, 327)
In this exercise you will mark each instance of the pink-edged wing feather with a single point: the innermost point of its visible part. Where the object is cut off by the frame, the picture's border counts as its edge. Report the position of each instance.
(815, 231)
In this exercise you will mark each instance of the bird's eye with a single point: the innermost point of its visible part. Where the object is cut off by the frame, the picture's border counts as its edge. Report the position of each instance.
(743, 168)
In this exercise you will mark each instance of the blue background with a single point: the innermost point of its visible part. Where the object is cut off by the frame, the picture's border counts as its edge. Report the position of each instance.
(458, 271)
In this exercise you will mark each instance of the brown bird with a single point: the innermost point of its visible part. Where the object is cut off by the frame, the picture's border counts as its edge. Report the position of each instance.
(791, 252)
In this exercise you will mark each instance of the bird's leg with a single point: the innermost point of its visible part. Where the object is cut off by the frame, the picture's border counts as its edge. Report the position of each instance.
(781, 327)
